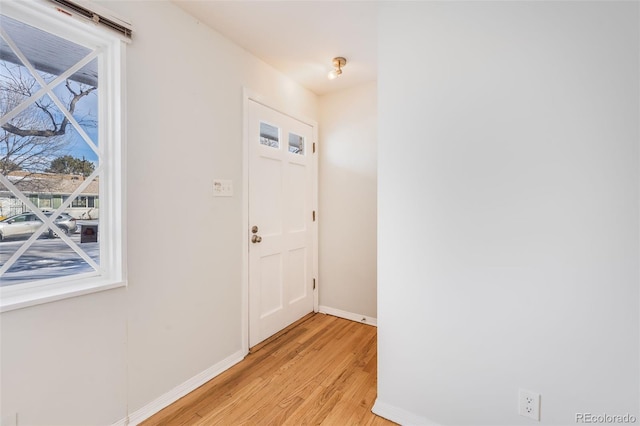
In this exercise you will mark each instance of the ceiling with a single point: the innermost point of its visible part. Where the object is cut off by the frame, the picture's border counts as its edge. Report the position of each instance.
(299, 38)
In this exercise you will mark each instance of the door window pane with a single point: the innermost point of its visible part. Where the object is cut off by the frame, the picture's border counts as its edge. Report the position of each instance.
(296, 144)
(269, 135)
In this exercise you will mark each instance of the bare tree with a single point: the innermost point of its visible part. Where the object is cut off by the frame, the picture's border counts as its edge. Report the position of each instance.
(29, 153)
(32, 139)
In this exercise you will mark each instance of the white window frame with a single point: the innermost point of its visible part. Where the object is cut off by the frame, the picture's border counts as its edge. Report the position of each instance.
(111, 98)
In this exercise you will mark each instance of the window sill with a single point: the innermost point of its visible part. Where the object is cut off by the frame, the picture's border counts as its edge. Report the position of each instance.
(13, 299)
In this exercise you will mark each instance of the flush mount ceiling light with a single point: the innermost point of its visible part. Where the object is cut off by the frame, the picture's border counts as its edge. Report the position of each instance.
(338, 63)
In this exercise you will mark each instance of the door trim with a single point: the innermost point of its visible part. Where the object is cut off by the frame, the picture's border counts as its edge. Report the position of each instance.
(247, 96)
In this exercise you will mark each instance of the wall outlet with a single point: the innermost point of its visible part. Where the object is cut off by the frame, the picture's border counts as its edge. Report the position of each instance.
(529, 404)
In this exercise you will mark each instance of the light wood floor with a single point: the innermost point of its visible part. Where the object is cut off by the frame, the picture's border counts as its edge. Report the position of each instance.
(322, 371)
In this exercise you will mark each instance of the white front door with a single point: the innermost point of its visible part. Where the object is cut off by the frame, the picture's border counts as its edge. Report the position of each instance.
(282, 233)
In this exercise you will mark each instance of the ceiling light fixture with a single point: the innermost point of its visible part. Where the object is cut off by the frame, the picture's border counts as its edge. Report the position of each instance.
(338, 63)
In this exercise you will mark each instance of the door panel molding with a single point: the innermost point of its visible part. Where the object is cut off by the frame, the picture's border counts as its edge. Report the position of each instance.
(250, 96)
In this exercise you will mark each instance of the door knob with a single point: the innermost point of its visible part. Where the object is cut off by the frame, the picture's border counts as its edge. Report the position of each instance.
(254, 229)
(256, 239)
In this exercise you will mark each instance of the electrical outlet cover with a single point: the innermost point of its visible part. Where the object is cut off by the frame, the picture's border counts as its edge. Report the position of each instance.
(529, 404)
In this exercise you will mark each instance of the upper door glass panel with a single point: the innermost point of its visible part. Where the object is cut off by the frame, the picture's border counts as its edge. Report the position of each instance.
(269, 135)
(296, 144)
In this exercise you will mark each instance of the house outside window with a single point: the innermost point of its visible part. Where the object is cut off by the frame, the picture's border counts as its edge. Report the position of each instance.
(61, 144)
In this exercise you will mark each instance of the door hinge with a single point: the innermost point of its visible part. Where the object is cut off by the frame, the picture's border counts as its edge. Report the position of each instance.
(314, 147)
(314, 283)
(313, 215)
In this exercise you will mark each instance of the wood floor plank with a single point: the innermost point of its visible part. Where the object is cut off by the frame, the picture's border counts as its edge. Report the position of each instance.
(280, 333)
(320, 371)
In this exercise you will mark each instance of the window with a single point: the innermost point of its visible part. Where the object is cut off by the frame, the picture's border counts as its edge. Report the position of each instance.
(60, 151)
(79, 202)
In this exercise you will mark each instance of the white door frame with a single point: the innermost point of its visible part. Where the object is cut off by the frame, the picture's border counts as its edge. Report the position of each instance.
(249, 95)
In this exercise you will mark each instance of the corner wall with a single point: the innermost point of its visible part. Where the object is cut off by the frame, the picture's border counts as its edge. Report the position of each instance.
(508, 210)
(348, 202)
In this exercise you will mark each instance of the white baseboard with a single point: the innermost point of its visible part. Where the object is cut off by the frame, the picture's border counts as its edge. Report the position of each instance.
(348, 315)
(181, 390)
(400, 416)
(122, 422)
(195, 382)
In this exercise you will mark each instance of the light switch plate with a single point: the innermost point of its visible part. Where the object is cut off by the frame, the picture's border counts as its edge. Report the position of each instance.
(222, 188)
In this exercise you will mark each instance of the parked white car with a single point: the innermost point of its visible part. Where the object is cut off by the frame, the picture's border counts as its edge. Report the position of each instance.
(25, 224)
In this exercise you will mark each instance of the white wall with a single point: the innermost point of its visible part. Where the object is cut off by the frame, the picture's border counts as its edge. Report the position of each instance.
(64, 363)
(508, 210)
(185, 271)
(348, 201)
(93, 359)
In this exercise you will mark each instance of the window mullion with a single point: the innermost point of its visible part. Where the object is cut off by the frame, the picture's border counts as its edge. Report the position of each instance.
(11, 187)
(23, 106)
(27, 244)
(47, 222)
(44, 87)
(25, 62)
(71, 118)
(73, 121)
(35, 209)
